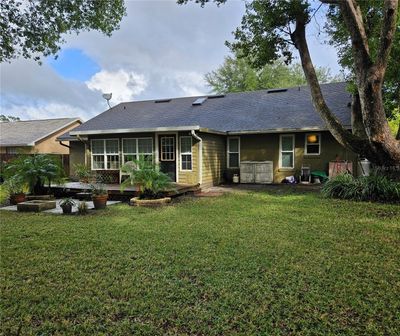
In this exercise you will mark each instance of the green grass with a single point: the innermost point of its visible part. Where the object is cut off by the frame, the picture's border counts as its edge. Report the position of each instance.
(3, 194)
(262, 264)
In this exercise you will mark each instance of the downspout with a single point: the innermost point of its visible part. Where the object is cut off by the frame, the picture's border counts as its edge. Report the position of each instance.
(200, 155)
(63, 144)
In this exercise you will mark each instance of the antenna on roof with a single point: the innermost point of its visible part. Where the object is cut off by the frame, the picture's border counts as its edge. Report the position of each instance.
(107, 96)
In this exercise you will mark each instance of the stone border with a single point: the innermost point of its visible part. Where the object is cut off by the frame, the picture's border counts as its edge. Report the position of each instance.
(152, 202)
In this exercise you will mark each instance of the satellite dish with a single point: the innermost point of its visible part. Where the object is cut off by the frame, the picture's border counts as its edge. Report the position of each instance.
(107, 96)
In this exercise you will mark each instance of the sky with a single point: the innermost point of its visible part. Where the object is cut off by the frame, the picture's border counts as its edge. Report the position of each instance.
(162, 50)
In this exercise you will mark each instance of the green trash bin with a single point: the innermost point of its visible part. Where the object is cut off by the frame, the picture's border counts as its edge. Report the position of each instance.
(320, 174)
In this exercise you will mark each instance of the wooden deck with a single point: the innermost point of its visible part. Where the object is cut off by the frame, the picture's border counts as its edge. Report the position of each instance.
(72, 188)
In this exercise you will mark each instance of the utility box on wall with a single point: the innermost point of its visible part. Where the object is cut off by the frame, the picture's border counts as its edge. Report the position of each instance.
(256, 172)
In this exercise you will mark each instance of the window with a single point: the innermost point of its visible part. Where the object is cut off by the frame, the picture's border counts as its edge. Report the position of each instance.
(135, 147)
(286, 153)
(105, 154)
(313, 144)
(168, 148)
(186, 153)
(233, 152)
(11, 150)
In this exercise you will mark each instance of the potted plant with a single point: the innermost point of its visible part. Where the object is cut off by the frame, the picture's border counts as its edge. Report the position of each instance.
(15, 188)
(99, 196)
(152, 184)
(82, 172)
(66, 205)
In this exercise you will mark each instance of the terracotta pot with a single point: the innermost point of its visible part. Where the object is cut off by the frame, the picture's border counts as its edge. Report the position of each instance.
(99, 201)
(17, 198)
(67, 208)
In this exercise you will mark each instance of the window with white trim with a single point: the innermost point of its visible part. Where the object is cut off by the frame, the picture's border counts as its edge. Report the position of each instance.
(313, 144)
(168, 148)
(233, 149)
(133, 148)
(186, 152)
(105, 154)
(286, 152)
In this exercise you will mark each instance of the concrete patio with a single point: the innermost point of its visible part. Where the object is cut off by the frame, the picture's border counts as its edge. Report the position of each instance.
(58, 209)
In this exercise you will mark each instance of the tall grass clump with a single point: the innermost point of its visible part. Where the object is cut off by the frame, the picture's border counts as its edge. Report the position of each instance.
(376, 187)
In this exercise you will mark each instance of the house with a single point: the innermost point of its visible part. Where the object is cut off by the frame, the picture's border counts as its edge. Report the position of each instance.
(205, 139)
(35, 136)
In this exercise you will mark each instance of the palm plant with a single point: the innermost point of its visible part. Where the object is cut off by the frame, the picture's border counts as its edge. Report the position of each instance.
(147, 177)
(36, 170)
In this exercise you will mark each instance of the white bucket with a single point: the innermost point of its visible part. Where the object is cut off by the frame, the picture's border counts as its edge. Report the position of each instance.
(365, 167)
(235, 178)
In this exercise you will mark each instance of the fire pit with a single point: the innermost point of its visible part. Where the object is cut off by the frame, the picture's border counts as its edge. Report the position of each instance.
(36, 206)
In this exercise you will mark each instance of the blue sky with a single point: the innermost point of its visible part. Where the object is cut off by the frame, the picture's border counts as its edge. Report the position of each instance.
(161, 50)
(74, 64)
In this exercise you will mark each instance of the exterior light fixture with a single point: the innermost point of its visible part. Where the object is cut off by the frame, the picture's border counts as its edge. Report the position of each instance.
(312, 138)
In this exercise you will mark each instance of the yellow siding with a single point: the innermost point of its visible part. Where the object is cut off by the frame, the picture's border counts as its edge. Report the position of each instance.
(260, 147)
(214, 158)
(189, 177)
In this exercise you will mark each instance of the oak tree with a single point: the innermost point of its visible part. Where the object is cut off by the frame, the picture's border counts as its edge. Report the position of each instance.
(32, 29)
(271, 29)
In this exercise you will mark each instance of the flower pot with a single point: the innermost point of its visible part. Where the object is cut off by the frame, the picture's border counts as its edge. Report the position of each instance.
(99, 201)
(66, 208)
(17, 198)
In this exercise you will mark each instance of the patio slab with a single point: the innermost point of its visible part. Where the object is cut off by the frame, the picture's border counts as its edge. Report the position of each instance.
(57, 209)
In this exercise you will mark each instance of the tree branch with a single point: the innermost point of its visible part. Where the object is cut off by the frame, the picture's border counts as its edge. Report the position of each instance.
(387, 33)
(352, 16)
(342, 135)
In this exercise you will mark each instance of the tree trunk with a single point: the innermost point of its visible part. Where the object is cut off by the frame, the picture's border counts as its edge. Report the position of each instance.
(376, 143)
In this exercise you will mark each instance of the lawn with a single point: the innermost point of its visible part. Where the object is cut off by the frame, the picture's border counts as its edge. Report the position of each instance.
(240, 264)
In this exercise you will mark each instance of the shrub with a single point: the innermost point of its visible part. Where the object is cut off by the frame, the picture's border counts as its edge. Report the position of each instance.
(82, 172)
(375, 187)
(36, 170)
(83, 208)
(147, 177)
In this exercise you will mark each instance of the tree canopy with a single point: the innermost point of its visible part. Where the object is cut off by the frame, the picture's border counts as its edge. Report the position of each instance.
(237, 75)
(32, 29)
(273, 29)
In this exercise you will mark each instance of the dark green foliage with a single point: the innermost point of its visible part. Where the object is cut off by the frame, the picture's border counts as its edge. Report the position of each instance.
(375, 187)
(240, 264)
(147, 177)
(36, 170)
(5, 118)
(36, 28)
(339, 38)
(237, 75)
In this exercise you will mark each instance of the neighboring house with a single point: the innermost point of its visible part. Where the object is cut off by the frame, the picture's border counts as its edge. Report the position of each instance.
(205, 139)
(35, 136)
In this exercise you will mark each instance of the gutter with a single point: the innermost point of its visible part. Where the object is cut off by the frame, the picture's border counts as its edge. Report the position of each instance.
(85, 143)
(200, 155)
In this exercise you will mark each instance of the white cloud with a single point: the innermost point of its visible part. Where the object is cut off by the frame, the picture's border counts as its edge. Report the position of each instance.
(124, 85)
(190, 83)
(46, 111)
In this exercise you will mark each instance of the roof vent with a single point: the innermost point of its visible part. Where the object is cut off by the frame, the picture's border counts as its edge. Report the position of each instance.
(216, 96)
(199, 101)
(162, 101)
(276, 90)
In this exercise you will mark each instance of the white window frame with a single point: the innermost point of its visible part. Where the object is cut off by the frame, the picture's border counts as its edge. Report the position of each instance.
(286, 151)
(137, 154)
(229, 152)
(161, 148)
(186, 153)
(105, 154)
(314, 143)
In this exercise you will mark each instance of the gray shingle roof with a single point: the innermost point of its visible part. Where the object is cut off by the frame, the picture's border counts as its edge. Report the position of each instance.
(27, 133)
(246, 111)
